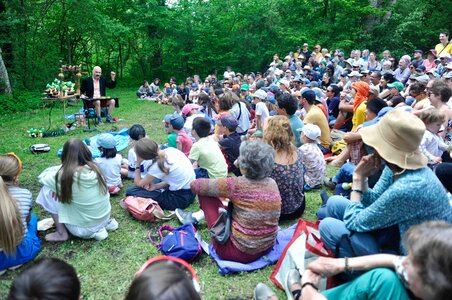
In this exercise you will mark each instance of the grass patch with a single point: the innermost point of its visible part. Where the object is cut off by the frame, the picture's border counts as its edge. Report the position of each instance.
(106, 268)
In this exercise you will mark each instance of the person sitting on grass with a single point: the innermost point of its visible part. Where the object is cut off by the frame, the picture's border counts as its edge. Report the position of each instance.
(432, 145)
(144, 92)
(109, 162)
(136, 132)
(167, 179)
(261, 111)
(425, 273)
(47, 278)
(165, 277)
(374, 220)
(313, 161)
(171, 137)
(230, 140)
(19, 242)
(205, 154)
(256, 205)
(183, 141)
(288, 167)
(76, 196)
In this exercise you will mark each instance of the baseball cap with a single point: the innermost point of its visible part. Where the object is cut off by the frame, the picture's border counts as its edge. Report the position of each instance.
(398, 85)
(260, 94)
(176, 121)
(189, 107)
(228, 121)
(245, 87)
(309, 95)
(311, 131)
(106, 141)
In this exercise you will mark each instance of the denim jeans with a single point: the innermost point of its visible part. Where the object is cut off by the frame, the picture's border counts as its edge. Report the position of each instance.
(345, 173)
(166, 199)
(340, 240)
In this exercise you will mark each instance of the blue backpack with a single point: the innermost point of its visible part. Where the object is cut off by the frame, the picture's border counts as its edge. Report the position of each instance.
(180, 242)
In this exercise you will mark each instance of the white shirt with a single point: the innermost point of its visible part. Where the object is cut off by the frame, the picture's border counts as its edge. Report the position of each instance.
(181, 172)
(132, 164)
(244, 119)
(111, 169)
(262, 111)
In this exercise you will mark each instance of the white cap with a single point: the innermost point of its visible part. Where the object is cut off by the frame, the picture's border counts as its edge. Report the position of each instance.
(261, 94)
(312, 132)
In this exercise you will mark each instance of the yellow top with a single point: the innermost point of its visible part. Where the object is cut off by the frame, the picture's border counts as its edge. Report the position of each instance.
(440, 47)
(359, 116)
(317, 117)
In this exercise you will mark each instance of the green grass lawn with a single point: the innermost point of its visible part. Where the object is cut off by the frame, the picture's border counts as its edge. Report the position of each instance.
(106, 268)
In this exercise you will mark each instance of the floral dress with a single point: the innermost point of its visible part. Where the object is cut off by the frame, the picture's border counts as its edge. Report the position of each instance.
(289, 179)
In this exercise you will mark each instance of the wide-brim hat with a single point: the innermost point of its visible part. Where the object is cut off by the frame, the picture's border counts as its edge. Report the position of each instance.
(396, 138)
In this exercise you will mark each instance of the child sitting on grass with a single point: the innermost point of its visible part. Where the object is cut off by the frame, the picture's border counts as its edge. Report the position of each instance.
(432, 145)
(110, 162)
(47, 278)
(229, 140)
(183, 141)
(136, 132)
(171, 139)
(205, 154)
(313, 161)
(19, 242)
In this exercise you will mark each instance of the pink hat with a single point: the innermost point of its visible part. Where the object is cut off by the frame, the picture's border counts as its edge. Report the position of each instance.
(189, 107)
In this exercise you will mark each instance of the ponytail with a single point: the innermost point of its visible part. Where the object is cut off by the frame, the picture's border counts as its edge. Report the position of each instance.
(11, 228)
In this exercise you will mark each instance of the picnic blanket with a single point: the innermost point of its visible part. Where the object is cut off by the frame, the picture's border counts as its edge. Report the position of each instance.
(121, 137)
(226, 267)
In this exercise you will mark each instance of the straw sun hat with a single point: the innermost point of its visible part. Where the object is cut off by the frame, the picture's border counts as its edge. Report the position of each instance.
(396, 138)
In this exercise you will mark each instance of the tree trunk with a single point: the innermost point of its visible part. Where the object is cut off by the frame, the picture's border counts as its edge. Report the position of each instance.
(4, 78)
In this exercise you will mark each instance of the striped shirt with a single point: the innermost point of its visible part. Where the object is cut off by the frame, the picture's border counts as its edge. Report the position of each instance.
(256, 209)
(24, 201)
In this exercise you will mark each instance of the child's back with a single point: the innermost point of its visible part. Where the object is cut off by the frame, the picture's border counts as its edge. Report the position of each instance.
(209, 156)
(111, 169)
(206, 151)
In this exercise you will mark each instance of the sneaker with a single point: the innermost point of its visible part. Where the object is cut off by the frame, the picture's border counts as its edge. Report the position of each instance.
(112, 225)
(108, 119)
(185, 217)
(114, 190)
(99, 122)
(263, 292)
(329, 183)
(102, 234)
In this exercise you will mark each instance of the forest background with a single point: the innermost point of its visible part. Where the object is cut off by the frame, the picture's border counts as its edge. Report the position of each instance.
(144, 39)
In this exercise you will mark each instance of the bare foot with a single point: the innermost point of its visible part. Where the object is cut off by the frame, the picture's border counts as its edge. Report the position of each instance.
(57, 237)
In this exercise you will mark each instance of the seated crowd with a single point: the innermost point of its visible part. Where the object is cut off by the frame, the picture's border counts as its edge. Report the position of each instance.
(255, 144)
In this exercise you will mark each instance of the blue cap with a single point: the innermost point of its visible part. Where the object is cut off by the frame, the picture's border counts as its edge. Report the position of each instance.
(309, 95)
(176, 121)
(106, 141)
(194, 84)
(305, 80)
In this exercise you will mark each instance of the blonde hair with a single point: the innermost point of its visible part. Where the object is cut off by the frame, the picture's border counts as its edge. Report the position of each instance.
(11, 228)
(432, 115)
(279, 135)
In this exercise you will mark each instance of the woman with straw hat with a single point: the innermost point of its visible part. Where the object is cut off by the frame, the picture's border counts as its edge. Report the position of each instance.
(407, 193)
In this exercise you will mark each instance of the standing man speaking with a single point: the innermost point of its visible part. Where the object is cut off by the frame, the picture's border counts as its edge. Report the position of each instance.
(94, 88)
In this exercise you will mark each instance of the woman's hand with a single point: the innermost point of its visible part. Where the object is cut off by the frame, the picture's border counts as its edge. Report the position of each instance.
(368, 165)
(310, 276)
(326, 266)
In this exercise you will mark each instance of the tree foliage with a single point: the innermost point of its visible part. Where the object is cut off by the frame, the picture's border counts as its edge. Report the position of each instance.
(142, 39)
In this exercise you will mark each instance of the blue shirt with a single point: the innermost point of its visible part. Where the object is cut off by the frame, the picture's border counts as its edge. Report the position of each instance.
(296, 123)
(415, 197)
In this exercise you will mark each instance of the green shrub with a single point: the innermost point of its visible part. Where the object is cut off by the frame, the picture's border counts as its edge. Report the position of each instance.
(19, 101)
